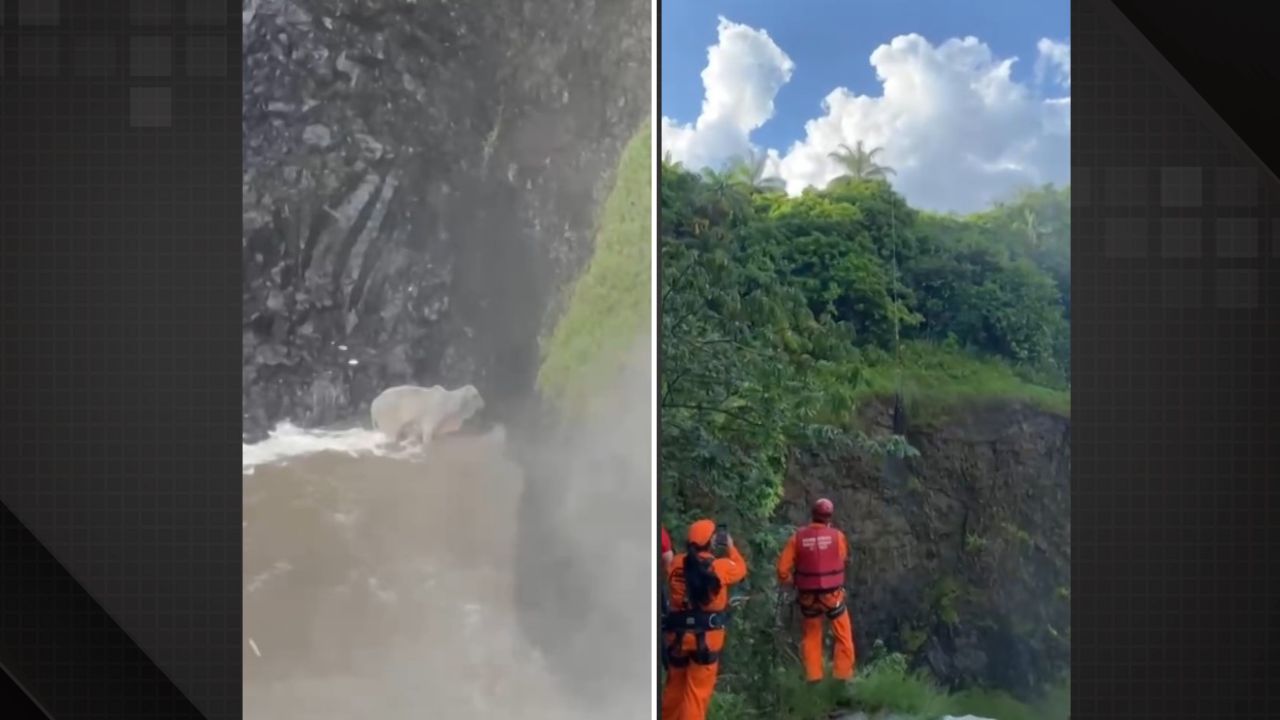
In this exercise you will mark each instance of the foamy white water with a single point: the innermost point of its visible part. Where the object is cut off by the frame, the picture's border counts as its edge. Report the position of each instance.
(288, 441)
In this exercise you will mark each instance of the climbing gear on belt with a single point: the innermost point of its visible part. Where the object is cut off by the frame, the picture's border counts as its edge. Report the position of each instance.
(810, 611)
(698, 623)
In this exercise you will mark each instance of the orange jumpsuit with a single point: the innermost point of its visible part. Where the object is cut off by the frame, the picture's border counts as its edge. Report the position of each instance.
(815, 607)
(688, 691)
(668, 556)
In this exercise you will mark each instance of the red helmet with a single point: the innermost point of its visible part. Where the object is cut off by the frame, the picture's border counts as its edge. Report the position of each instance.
(823, 509)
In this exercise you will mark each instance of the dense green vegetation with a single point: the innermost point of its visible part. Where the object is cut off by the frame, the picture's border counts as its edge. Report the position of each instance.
(609, 308)
(780, 315)
(886, 685)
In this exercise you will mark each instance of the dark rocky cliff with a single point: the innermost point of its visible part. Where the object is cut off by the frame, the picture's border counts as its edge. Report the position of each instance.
(420, 179)
(963, 562)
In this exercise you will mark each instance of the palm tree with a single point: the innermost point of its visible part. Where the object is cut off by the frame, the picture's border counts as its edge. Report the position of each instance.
(860, 163)
(1036, 214)
(1031, 224)
(723, 198)
(748, 171)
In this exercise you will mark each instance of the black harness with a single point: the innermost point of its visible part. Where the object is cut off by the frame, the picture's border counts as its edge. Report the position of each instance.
(690, 621)
(810, 611)
(695, 622)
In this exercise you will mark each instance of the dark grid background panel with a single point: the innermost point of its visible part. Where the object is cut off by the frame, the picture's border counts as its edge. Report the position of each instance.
(1174, 278)
(119, 326)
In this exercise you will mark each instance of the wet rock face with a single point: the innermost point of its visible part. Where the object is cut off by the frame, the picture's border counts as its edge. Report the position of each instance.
(965, 563)
(420, 179)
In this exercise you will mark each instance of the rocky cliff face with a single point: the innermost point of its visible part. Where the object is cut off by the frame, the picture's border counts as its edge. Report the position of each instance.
(963, 561)
(420, 178)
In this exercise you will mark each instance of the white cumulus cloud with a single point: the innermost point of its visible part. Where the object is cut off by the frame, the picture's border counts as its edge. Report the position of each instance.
(745, 70)
(1054, 57)
(958, 130)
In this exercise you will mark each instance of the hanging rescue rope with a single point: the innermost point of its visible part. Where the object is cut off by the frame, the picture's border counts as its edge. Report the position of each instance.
(894, 466)
(898, 419)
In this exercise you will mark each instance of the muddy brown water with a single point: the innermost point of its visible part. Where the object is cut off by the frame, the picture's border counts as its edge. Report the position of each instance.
(383, 587)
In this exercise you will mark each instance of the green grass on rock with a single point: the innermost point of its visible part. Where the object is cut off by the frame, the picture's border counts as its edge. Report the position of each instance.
(609, 307)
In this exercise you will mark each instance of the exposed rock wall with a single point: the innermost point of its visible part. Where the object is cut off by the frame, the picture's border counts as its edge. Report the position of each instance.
(965, 562)
(421, 177)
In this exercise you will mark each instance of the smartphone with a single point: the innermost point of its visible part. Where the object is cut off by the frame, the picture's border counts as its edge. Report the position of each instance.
(722, 536)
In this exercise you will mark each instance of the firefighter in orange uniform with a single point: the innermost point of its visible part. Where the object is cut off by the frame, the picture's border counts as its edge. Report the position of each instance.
(814, 560)
(693, 631)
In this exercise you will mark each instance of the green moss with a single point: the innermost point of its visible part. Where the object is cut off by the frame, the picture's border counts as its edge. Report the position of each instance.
(913, 638)
(949, 615)
(888, 686)
(609, 307)
(1056, 704)
(990, 704)
(799, 700)
(937, 379)
(727, 706)
(943, 597)
(1016, 533)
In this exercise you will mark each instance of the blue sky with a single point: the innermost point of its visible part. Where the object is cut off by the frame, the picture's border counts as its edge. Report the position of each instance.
(830, 43)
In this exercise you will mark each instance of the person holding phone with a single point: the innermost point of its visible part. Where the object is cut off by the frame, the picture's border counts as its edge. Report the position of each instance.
(694, 629)
(814, 561)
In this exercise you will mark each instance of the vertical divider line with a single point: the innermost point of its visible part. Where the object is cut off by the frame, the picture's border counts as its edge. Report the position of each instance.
(655, 364)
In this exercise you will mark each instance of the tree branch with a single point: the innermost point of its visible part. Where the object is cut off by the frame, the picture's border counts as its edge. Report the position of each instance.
(718, 411)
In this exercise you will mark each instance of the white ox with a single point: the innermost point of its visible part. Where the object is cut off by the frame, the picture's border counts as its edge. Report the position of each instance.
(408, 412)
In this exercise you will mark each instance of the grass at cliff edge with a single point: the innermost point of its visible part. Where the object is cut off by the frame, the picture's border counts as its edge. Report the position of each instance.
(609, 306)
